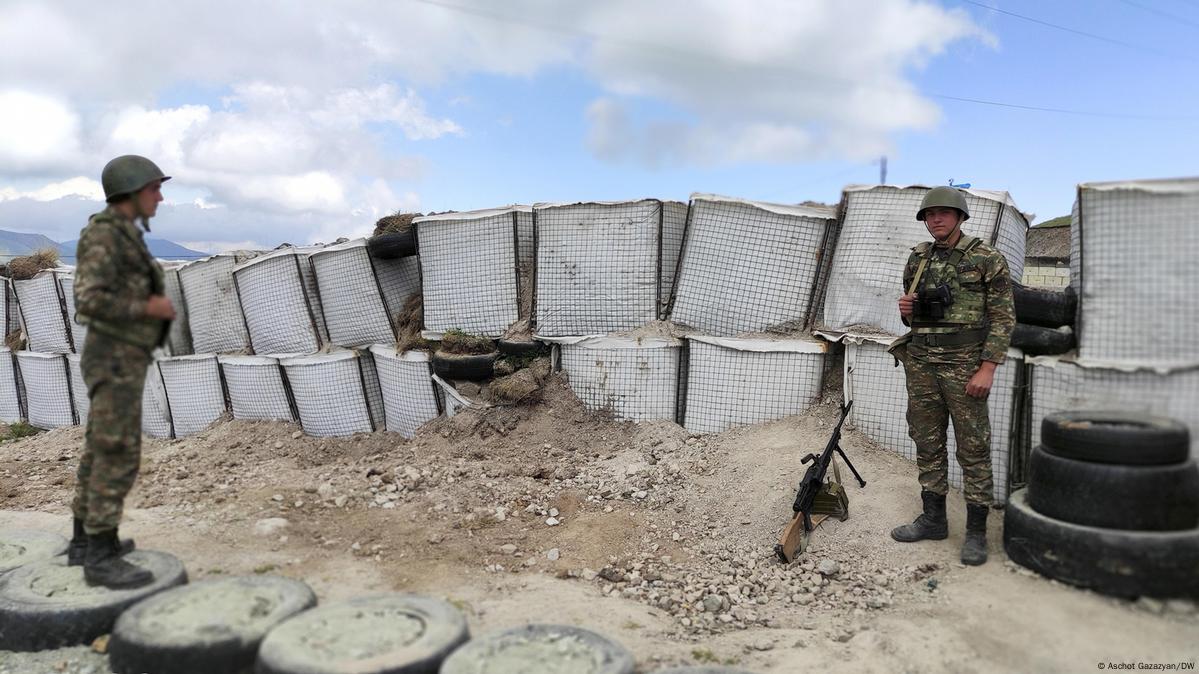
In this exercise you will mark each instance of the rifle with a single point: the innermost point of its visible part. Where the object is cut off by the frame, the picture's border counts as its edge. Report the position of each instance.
(817, 497)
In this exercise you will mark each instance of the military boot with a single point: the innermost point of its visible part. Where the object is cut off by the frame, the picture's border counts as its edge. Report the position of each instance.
(103, 564)
(77, 550)
(931, 525)
(974, 549)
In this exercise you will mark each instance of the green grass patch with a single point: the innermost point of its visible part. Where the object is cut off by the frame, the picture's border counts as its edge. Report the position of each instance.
(265, 568)
(19, 430)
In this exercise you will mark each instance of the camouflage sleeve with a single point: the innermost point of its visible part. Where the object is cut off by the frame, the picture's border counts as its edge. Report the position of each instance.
(97, 281)
(909, 273)
(1000, 308)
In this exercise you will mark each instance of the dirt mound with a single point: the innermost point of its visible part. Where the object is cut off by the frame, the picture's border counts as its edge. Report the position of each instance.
(26, 267)
(463, 344)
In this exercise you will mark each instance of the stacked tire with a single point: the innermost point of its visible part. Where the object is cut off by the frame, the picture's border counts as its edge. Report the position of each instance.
(1112, 504)
(1044, 320)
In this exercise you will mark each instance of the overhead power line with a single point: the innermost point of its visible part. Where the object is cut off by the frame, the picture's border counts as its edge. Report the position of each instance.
(1153, 10)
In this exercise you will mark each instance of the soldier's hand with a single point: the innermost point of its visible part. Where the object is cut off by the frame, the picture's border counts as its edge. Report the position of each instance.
(160, 307)
(905, 305)
(979, 385)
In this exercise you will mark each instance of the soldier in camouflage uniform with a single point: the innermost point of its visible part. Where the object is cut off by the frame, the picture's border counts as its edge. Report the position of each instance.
(950, 357)
(119, 295)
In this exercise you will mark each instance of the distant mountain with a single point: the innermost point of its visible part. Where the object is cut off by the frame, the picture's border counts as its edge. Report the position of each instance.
(22, 243)
(159, 248)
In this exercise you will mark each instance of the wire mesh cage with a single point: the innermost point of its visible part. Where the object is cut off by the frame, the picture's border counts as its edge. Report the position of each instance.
(330, 393)
(257, 388)
(78, 389)
(179, 339)
(877, 232)
(44, 313)
(66, 281)
(12, 402)
(736, 382)
(674, 227)
(156, 414)
(47, 389)
(280, 314)
(214, 311)
(352, 295)
(469, 265)
(880, 400)
(195, 393)
(409, 399)
(1138, 285)
(635, 379)
(10, 319)
(746, 266)
(597, 266)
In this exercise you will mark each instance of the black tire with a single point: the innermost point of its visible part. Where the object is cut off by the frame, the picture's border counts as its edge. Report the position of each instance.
(1046, 308)
(19, 547)
(1111, 496)
(32, 621)
(467, 367)
(309, 643)
(392, 245)
(210, 626)
(1110, 561)
(1035, 340)
(1116, 437)
(568, 643)
(512, 347)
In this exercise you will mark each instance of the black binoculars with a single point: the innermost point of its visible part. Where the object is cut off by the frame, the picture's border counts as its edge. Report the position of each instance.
(930, 303)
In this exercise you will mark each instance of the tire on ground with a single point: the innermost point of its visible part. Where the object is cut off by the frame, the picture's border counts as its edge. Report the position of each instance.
(1111, 561)
(1112, 496)
(392, 245)
(516, 347)
(554, 647)
(382, 634)
(464, 366)
(48, 604)
(1128, 438)
(210, 626)
(1046, 308)
(1035, 340)
(19, 547)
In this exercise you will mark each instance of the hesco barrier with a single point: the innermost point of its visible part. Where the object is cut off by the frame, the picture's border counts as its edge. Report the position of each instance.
(66, 282)
(214, 314)
(634, 378)
(674, 227)
(195, 393)
(257, 388)
(409, 399)
(10, 319)
(156, 415)
(597, 266)
(1132, 258)
(880, 400)
(179, 340)
(734, 382)
(879, 229)
(12, 399)
(360, 295)
(469, 266)
(44, 313)
(746, 266)
(283, 313)
(330, 393)
(47, 389)
(78, 389)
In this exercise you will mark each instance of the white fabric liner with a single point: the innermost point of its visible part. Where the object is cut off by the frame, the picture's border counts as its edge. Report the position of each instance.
(42, 313)
(372, 387)
(747, 266)
(66, 281)
(194, 392)
(451, 399)
(214, 311)
(880, 399)
(819, 212)
(602, 342)
(329, 394)
(481, 214)
(633, 381)
(409, 399)
(469, 273)
(878, 230)
(179, 339)
(730, 386)
(10, 391)
(527, 238)
(78, 388)
(764, 345)
(1062, 385)
(1139, 288)
(256, 388)
(400, 279)
(279, 313)
(674, 227)
(47, 389)
(355, 310)
(597, 266)
(156, 415)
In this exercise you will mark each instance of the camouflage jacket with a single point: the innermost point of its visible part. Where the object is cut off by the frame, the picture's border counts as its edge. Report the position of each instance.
(114, 277)
(982, 295)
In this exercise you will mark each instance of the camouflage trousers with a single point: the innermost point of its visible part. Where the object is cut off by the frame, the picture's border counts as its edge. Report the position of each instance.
(936, 394)
(115, 375)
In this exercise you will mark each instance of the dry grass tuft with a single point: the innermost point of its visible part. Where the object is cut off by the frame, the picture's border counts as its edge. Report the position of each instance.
(456, 341)
(26, 267)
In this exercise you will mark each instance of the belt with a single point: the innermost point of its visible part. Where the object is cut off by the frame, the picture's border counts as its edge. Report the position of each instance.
(974, 336)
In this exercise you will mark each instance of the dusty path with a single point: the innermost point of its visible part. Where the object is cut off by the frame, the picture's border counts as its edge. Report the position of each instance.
(651, 524)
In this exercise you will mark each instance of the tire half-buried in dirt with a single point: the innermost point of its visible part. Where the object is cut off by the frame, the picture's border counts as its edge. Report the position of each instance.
(392, 245)
(48, 604)
(210, 626)
(19, 547)
(1116, 437)
(1112, 561)
(464, 366)
(382, 634)
(540, 649)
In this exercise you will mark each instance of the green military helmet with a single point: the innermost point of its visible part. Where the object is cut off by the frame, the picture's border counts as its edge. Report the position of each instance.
(128, 174)
(945, 197)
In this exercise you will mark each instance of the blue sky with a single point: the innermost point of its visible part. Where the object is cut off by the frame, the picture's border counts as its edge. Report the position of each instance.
(311, 120)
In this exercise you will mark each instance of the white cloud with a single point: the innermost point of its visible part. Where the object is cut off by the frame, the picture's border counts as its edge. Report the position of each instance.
(78, 187)
(37, 132)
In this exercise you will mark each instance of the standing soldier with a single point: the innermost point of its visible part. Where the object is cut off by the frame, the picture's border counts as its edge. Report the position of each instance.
(119, 296)
(958, 303)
